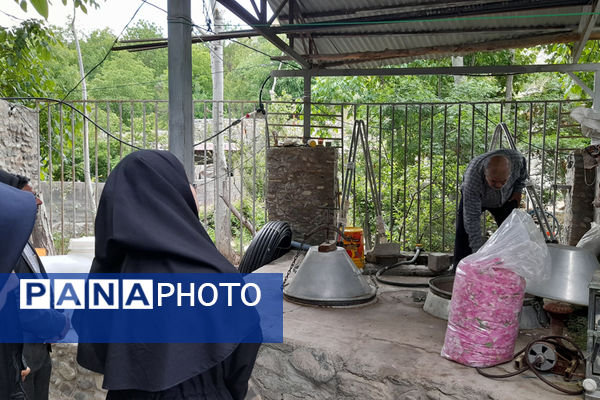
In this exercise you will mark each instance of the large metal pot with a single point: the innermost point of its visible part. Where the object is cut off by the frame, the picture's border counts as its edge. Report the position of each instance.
(439, 296)
(572, 270)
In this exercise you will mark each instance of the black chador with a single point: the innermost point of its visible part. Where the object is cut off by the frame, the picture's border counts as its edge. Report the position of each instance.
(147, 221)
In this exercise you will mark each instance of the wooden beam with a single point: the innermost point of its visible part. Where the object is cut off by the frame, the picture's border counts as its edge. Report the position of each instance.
(591, 24)
(521, 42)
(443, 32)
(277, 12)
(263, 11)
(487, 70)
(268, 34)
(255, 8)
(414, 5)
(582, 84)
(160, 43)
(432, 13)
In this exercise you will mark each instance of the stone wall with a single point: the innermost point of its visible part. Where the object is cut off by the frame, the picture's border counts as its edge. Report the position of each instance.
(579, 210)
(70, 381)
(301, 188)
(19, 154)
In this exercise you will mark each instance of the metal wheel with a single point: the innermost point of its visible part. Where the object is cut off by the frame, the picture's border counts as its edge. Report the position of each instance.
(542, 356)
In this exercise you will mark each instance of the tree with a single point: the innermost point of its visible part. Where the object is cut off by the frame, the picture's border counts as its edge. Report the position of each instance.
(562, 53)
(157, 59)
(124, 77)
(23, 53)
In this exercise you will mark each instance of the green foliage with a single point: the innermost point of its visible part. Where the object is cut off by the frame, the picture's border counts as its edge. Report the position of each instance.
(41, 6)
(156, 60)
(201, 73)
(423, 147)
(114, 81)
(562, 53)
(246, 69)
(24, 50)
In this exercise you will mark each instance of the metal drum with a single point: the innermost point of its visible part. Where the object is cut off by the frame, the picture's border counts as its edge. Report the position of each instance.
(572, 270)
(438, 299)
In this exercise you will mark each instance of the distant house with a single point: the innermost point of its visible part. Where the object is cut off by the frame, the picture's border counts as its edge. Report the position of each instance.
(204, 151)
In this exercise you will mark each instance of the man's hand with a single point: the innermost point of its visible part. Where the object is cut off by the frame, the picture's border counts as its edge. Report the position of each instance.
(24, 373)
(517, 197)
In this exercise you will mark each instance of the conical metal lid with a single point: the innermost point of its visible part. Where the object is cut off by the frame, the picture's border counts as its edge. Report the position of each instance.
(329, 279)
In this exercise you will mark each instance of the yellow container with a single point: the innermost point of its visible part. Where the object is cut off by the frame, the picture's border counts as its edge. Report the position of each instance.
(354, 245)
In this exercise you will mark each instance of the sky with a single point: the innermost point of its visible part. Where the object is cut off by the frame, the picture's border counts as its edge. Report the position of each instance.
(114, 14)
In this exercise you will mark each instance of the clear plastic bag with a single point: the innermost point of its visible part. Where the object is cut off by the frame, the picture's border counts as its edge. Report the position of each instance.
(519, 244)
(591, 240)
(489, 286)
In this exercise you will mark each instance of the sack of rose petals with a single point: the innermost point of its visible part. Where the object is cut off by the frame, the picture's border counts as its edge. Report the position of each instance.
(483, 318)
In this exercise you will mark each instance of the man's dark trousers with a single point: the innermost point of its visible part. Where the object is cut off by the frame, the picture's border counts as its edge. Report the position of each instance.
(461, 241)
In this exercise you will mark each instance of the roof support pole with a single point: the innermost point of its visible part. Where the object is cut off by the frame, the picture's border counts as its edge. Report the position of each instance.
(596, 108)
(586, 32)
(181, 110)
(596, 94)
(307, 106)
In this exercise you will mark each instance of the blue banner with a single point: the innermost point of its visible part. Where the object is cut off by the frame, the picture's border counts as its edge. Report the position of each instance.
(142, 308)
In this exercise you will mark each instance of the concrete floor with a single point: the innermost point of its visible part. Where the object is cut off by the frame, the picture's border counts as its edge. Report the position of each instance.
(387, 350)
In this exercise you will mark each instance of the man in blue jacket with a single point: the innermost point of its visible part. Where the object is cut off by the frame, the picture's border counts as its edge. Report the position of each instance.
(35, 325)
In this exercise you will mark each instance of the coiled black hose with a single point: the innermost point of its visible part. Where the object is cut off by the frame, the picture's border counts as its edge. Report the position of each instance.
(270, 243)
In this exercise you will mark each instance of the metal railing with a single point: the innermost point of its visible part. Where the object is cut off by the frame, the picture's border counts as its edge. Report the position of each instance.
(419, 153)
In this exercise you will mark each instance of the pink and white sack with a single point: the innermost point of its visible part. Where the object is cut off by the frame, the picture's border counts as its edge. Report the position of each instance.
(489, 286)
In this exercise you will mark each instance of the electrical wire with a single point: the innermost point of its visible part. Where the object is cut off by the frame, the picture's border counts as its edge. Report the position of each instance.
(249, 47)
(155, 6)
(12, 16)
(107, 53)
(532, 145)
(209, 30)
(236, 122)
(51, 100)
(62, 102)
(166, 80)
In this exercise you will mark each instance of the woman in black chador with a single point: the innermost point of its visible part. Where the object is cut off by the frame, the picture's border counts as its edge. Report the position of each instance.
(147, 221)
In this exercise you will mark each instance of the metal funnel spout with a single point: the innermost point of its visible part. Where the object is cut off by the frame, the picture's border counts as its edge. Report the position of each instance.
(329, 279)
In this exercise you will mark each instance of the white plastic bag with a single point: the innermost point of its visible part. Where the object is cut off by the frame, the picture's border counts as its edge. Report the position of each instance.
(489, 286)
(589, 120)
(521, 247)
(591, 240)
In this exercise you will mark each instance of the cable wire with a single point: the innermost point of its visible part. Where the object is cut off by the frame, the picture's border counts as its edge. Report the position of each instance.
(51, 100)
(107, 53)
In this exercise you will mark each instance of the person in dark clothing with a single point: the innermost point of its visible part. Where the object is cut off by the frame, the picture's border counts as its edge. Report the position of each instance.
(493, 181)
(17, 216)
(36, 356)
(147, 221)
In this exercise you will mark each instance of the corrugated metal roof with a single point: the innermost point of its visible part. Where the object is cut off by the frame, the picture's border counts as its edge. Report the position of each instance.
(373, 33)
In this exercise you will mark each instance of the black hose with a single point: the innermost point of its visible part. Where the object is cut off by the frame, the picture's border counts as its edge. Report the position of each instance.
(270, 243)
(299, 246)
(398, 264)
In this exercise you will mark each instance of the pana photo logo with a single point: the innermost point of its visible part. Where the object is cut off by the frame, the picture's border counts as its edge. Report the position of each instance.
(132, 294)
(150, 307)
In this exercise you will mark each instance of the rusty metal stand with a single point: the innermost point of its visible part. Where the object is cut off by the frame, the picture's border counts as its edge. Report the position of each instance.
(536, 202)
